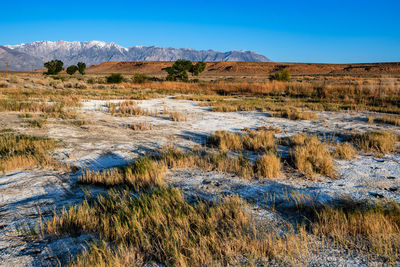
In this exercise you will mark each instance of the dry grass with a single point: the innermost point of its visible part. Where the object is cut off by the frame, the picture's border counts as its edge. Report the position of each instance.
(141, 126)
(22, 151)
(344, 151)
(311, 157)
(162, 227)
(380, 142)
(28, 106)
(293, 114)
(208, 161)
(268, 166)
(252, 140)
(226, 141)
(259, 140)
(127, 108)
(394, 120)
(375, 230)
(358, 96)
(178, 116)
(144, 173)
(39, 123)
(358, 92)
(371, 119)
(78, 123)
(31, 101)
(26, 115)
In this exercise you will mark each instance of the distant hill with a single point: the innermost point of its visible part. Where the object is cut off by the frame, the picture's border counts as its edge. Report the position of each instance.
(253, 68)
(24, 56)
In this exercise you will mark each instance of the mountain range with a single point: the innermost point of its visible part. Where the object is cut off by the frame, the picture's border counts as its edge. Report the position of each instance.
(26, 57)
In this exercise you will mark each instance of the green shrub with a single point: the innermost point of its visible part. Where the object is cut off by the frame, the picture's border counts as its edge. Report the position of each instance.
(178, 71)
(283, 76)
(54, 66)
(81, 67)
(115, 78)
(72, 69)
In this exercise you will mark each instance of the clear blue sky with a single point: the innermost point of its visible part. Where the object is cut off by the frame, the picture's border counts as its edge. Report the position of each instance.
(333, 31)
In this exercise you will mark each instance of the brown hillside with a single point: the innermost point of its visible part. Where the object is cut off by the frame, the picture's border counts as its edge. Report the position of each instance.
(252, 68)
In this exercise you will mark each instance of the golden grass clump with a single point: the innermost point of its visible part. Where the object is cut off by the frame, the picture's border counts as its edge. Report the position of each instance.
(144, 173)
(226, 141)
(381, 142)
(23, 151)
(178, 116)
(293, 114)
(174, 158)
(259, 139)
(268, 166)
(371, 119)
(389, 119)
(344, 151)
(141, 126)
(39, 123)
(252, 140)
(310, 156)
(225, 108)
(127, 108)
(78, 123)
(375, 230)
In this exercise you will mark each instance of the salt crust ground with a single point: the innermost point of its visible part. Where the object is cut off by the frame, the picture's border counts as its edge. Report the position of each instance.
(106, 141)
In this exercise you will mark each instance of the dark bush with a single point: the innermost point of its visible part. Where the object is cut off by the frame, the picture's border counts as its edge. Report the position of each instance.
(283, 76)
(115, 78)
(72, 69)
(81, 67)
(53, 66)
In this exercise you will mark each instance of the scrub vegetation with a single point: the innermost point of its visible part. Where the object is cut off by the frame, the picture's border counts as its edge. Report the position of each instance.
(247, 204)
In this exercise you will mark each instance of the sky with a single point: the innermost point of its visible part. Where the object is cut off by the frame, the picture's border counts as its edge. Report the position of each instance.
(326, 31)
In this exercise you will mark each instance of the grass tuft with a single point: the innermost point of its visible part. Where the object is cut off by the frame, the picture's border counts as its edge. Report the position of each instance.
(380, 142)
(312, 157)
(23, 151)
(344, 151)
(177, 116)
(375, 230)
(252, 140)
(268, 166)
(389, 119)
(144, 173)
(293, 114)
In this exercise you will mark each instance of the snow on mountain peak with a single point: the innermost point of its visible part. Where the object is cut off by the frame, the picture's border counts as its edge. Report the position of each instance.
(96, 52)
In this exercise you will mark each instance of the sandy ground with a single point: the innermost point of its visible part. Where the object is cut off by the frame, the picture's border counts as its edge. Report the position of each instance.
(106, 141)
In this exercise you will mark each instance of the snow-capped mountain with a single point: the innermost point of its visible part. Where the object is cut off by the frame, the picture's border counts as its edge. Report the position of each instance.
(96, 52)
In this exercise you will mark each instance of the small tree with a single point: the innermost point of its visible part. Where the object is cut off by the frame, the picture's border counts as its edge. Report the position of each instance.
(178, 71)
(195, 70)
(72, 69)
(115, 78)
(53, 66)
(81, 67)
(283, 76)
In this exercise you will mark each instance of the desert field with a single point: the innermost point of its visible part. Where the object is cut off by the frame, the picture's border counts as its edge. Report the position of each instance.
(231, 169)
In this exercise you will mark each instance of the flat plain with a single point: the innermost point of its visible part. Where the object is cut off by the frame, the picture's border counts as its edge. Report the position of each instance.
(228, 170)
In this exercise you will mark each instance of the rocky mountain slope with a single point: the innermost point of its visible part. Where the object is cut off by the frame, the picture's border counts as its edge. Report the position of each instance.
(26, 56)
